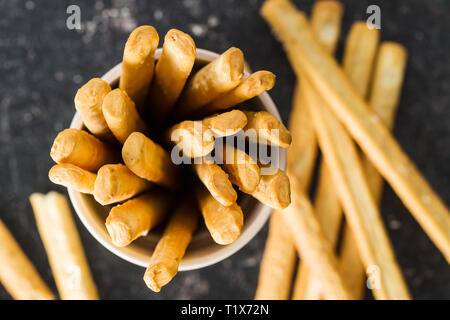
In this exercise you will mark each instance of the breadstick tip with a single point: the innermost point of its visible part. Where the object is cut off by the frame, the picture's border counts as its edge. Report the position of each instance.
(141, 42)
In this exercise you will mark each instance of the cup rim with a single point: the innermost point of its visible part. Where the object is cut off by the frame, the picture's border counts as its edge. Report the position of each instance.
(262, 212)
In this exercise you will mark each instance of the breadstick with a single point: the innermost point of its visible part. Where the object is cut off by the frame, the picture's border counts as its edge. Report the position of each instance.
(81, 149)
(121, 115)
(138, 64)
(274, 190)
(17, 274)
(360, 50)
(217, 182)
(326, 19)
(171, 72)
(88, 102)
(242, 170)
(193, 138)
(73, 177)
(362, 123)
(268, 129)
(149, 160)
(277, 265)
(115, 183)
(219, 76)
(136, 217)
(252, 86)
(226, 124)
(171, 247)
(223, 223)
(63, 246)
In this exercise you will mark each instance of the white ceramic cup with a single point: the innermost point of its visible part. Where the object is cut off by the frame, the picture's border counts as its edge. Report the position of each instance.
(202, 251)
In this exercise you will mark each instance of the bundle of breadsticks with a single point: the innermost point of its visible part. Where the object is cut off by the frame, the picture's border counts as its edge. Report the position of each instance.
(334, 107)
(139, 135)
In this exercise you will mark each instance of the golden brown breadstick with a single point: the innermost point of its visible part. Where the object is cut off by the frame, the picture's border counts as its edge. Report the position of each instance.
(137, 216)
(226, 124)
(268, 129)
(171, 247)
(277, 265)
(115, 183)
(193, 138)
(274, 190)
(81, 149)
(63, 246)
(121, 115)
(326, 19)
(243, 171)
(171, 72)
(219, 76)
(138, 64)
(252, 86)
(17, 274)
(223, 223)
(217, 182)
(362, 123)
(88, 102)
(72, 177)
(149, 160)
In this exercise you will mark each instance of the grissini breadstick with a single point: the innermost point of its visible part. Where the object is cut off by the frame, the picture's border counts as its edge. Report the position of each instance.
(269, 130)
(193, 138)
(223, 223)
(250, 87)
(274, 190)
(363, 124)
(171, 72)
(17, 274)
(88, 102)
(63, 246)
(242, 170)
(115, 183)
(121, 115)
(226, 124)
(73, 177)
(149, 160)
(138, 64)
(217, 182)
(137, 216)
(171, 247)
(359, 55)
(277, 264)
(81, 149)
(219, 76)
(326, 19)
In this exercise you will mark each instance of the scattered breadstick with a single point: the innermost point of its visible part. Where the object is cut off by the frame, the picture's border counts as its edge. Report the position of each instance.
(171, 72)
(149, 160)
(63, 246)
(115, 183)
(243, 171)
(223, 223)
(138, 64)
(121, 115)
(362, 123)
(171, 247)
(268, 129)
(217, 182)
(193, 138)
(219, 76)
(252, 86)
(88, 102)
(17, 274)
(81, 149)
(73, 177)
(277, 264)
(274, 190)
(135, 217)
(226, 124)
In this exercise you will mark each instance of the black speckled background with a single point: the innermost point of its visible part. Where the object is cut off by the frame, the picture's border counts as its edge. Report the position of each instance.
(42, 64)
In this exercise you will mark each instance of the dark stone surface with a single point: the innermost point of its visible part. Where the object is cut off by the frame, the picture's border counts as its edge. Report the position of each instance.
(42, 64)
